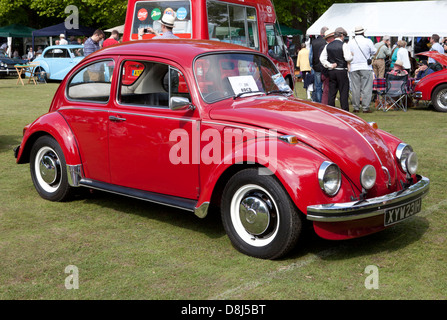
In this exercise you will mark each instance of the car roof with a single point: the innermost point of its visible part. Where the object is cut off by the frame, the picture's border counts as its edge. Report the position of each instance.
(170, 48)
(439, 57)
(70, 46)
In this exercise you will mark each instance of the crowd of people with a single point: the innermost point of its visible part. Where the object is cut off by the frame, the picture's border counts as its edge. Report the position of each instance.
(332, 66)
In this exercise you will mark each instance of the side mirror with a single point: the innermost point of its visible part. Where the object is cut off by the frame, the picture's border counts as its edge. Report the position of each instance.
(180, 103)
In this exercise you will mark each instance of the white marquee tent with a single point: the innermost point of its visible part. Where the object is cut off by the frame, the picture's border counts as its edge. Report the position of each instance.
(396, 19)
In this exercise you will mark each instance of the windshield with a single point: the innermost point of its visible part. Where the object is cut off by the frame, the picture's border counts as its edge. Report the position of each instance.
(225, 75)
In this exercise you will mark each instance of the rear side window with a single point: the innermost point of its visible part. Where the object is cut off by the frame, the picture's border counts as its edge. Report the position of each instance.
(151, 84)
(92, 83)
(57, 53)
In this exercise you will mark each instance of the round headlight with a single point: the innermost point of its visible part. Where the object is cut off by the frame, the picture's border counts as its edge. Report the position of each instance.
(411, 163)
(368, 177)
(407, 159)
(329, 177)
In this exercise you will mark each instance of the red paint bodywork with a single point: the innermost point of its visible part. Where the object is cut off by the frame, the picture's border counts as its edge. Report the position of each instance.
(135, 153)
(426, 86)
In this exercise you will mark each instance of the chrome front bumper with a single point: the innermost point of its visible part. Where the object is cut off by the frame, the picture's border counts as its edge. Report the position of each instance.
(355, 210)
(417, 95)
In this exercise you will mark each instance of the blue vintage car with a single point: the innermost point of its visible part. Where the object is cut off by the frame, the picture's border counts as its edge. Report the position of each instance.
(56, 61)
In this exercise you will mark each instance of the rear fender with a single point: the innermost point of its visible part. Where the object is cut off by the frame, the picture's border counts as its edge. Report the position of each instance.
(52, 124)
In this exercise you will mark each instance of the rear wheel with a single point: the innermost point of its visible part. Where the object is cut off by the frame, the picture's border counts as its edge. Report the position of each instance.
(439, 98)
(48, 170)
(41, 74)
(258, 215)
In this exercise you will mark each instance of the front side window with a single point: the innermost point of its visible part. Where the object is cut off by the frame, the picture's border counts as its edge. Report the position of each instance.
(276, 47)
(225, 75)
(151, 84)
(92, 83)
(233, 24)
(148, 14)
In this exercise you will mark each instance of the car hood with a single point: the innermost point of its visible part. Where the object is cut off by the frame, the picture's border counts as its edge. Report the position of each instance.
(439, 57)
(10, 61)
(345, 139)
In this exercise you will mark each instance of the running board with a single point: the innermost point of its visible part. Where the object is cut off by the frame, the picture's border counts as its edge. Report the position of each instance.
(172, 201)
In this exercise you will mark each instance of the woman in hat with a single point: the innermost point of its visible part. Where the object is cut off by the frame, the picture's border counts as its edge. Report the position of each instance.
(398, 69)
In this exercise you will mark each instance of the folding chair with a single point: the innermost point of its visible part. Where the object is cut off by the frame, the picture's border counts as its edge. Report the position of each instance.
(395, 94)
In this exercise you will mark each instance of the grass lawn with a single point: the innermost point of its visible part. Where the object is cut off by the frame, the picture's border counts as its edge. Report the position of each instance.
(128, 249)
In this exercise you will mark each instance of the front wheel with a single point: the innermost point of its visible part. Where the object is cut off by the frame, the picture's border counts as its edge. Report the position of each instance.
(258, 215)
(48, 170)
(439, 98)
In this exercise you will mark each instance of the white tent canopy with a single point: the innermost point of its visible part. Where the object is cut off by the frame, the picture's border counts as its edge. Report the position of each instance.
(396, 19)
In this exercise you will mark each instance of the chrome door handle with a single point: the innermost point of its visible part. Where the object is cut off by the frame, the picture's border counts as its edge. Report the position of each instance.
(116, 119)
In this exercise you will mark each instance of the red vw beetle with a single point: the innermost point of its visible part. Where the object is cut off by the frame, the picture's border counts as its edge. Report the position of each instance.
(207, 124)
(434, 86)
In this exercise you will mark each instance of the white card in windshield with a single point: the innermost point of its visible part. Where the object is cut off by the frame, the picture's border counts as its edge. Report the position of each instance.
(280, 82)
(243, 84)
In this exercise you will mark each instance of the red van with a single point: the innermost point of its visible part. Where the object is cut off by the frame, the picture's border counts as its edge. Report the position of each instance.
(250, 23)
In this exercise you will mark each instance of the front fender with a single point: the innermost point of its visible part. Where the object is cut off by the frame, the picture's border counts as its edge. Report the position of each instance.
(294, 165)
(52, 124)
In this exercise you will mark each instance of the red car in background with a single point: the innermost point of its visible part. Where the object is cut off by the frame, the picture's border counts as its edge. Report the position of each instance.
(433, 87)
(207, 124)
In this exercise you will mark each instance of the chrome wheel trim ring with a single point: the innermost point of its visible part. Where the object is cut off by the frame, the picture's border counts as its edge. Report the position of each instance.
(255, 225)
(47, 169)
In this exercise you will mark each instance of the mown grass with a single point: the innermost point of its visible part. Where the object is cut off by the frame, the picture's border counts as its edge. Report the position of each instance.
(128, 249)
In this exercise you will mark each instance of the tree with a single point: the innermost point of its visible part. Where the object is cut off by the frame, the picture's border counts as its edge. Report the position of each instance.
(39, 13)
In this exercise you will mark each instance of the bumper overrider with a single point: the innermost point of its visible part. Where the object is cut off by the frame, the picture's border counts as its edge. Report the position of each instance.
(395, 206)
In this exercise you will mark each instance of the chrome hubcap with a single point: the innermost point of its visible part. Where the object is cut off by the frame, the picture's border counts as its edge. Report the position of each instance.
(48, 169)
(254, 214)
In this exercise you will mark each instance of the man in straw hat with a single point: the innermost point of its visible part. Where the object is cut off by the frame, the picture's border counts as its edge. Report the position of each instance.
(167, 24)
(361, 72)
(336, 56)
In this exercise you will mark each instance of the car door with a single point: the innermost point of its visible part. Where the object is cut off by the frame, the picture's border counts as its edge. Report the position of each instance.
(86, 110)
(144, 133)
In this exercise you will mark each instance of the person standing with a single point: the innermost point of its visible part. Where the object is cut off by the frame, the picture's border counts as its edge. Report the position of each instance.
(303, 63)
(383, 51)
(435, 46)
(317, 46)
(92, 44)
(328, 37)
(404, 56)
(113, 39)
(361, 71)
(62, 39)
(336, 56)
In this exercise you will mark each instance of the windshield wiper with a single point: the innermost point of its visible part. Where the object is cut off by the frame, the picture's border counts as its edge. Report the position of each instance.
(288, 92)
(248, 92)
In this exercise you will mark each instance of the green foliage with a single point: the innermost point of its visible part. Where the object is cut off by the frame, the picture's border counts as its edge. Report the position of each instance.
(93, 13)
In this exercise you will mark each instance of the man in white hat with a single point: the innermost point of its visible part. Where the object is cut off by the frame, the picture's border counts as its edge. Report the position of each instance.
(167, 24)
(361, 73)
(62, 39)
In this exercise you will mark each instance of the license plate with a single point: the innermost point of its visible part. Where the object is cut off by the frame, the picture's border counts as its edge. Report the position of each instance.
(402, 212)
(136, 73)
